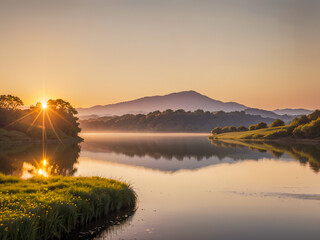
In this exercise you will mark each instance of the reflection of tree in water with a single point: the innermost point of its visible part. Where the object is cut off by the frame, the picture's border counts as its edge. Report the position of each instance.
(169, 148)
(305, 153)
(62, 158)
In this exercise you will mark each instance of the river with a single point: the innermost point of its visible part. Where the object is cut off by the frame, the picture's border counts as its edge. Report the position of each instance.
(191, 188)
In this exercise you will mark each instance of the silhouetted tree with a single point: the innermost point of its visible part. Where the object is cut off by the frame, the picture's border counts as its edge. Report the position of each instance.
(199, 111)
(59, 117)
(216, 130)
(10, 102)
(277, 123)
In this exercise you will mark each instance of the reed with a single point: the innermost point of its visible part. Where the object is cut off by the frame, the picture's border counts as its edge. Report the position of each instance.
(42, 208)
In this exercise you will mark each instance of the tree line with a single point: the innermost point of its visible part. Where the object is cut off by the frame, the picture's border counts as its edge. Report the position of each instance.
(305, 126)
(59, 118)
(171, 121)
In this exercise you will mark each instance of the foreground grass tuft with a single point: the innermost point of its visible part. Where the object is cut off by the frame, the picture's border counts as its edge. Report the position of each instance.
(42, 208)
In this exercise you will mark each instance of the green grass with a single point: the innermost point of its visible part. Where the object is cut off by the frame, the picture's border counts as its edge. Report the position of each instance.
(265, 133)
(42, 208)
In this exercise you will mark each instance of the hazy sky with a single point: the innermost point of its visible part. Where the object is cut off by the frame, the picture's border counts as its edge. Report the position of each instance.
(261, 53)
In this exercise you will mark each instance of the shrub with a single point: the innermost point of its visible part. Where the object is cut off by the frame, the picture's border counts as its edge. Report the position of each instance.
(232, 129)
(225, 129)
(277, 123)
(300, 121)
(261, 125)
(242, 129)
(279, 134)
(216, 130)
(310, 130)
(315, 115)
(252, 127)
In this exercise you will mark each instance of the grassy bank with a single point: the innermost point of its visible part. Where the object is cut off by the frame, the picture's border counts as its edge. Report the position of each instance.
(42, 208)
(269, 134)
(263, 133)
(304, 128)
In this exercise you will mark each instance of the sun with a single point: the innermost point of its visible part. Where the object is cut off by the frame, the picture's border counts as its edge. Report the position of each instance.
(44, 105)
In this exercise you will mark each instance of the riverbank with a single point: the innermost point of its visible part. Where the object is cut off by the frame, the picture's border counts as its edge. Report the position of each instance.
(39, 208)
(272, 134)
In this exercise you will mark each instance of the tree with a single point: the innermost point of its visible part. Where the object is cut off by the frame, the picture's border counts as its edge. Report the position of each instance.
(232, 129)
(300, 121)
(309, 130)
(252, 127)
(10, 102)
(199, 111)
(261, 125)
(62, 105)
(180, 111)
(242, 129)
(225, 129)
(277, 123)
(61, 115)
(315, 115)
(168, 111)
(216, 130)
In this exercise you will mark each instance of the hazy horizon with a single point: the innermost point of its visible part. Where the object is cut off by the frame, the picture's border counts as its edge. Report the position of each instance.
(262, 54)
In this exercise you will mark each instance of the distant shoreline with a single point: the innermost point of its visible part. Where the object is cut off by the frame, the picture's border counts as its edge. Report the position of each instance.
(137, 132)
(279, 140)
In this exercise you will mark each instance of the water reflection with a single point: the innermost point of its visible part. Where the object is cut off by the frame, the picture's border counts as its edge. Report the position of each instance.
(26, 160)
(304, 153)
(191, 152)
(184, 152)
(189, 187)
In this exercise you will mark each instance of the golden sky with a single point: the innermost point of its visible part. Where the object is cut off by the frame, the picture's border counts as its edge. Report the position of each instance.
(261, 53)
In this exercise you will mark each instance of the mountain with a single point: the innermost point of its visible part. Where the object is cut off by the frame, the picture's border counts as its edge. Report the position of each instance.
(186, 100)
(292, 111)
(269, 114)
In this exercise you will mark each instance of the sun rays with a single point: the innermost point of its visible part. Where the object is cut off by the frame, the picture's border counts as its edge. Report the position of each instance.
(53, 128)
(42, 114)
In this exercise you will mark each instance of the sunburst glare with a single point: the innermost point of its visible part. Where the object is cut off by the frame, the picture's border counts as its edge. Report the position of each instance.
(44, 105)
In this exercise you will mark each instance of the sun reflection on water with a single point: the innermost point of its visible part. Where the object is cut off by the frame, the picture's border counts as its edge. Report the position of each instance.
(43, 169)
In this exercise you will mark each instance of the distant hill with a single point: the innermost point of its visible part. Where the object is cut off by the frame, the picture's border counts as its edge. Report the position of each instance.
(186, 100)
(269, 114)
(292, 111)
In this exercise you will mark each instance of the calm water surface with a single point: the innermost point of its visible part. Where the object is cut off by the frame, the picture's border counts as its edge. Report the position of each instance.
(190, 188)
